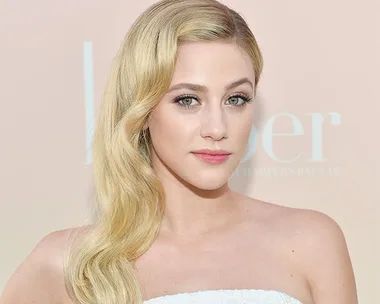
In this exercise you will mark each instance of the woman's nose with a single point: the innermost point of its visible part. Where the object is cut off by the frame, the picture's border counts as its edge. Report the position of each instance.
(214, 124)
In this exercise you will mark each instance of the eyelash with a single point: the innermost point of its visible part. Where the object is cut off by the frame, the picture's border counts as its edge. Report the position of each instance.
(244, 97)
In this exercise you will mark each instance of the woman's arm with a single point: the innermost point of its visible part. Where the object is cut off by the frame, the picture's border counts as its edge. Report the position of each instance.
(39, 278)
(327, 261)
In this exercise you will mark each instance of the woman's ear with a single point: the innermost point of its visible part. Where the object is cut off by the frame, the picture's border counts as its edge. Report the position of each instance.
(147, 120)
(146, 126)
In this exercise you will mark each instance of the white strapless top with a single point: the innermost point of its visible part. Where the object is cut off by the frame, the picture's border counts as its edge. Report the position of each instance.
(226, 296)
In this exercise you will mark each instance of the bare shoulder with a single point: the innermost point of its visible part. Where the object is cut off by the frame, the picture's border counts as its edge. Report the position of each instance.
(309, 225)
(39, 278)
(310, 229)
(306, 229)
(319, 244)
(325, 257)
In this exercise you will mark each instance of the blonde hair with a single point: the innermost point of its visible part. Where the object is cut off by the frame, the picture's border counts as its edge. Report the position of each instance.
(130, 198)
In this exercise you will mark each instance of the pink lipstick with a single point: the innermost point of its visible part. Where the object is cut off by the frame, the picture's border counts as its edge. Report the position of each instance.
(212, 156)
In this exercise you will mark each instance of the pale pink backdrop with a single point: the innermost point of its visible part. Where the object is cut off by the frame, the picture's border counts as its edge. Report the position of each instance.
(316, 146)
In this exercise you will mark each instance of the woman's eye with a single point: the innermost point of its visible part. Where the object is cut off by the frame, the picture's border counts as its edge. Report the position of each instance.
(234, 100)
(187, 101)
(238, 100)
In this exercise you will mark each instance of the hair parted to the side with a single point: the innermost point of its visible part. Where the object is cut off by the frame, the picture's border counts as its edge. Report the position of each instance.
(130, 199)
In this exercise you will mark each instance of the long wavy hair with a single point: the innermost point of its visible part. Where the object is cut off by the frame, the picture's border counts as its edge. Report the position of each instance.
(130, 199)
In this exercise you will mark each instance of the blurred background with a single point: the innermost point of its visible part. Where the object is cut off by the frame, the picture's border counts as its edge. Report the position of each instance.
(315, 142)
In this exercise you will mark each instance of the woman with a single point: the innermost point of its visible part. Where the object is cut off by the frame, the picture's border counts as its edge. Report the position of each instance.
(169, 229)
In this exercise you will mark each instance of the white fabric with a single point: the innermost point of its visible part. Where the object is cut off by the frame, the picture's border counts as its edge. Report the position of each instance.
(226, 296)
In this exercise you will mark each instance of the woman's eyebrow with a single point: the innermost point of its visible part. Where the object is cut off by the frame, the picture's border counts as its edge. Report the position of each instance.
(201, 88)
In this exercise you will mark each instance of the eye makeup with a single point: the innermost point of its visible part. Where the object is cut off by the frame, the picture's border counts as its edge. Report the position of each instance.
(245, 99)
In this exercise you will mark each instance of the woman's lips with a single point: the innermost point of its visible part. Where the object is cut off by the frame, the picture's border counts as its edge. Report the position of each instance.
(212, 158)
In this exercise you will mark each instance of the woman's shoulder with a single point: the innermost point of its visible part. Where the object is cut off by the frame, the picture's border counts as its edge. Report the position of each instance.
(53, 247)
(39, 278)
(310, 233)
(317, 244)
(304, 222)
(311, 226)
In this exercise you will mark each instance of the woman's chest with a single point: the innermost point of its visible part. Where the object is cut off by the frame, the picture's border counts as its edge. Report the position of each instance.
(221, 263)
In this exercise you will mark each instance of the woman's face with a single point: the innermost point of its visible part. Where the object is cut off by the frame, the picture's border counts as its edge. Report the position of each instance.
(217, 117)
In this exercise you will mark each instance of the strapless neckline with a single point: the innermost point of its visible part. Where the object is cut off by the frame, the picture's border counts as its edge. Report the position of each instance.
(227, 296)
